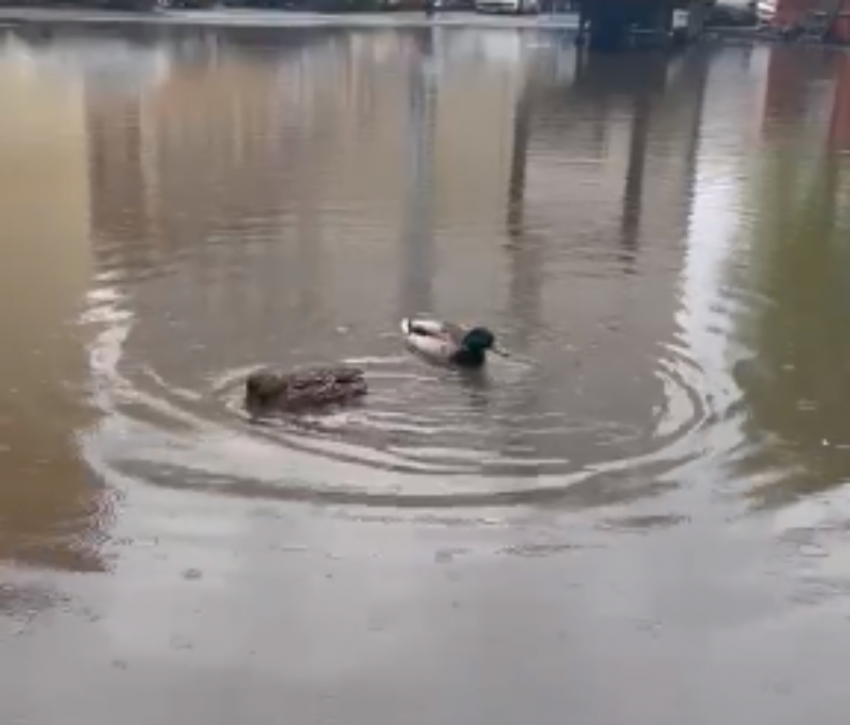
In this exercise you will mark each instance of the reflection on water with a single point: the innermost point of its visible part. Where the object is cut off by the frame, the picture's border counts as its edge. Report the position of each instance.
(46, 501)
(180, 207)
(795, 377)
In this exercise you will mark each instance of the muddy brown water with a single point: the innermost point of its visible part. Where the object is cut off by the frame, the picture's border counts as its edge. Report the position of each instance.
(639, 517)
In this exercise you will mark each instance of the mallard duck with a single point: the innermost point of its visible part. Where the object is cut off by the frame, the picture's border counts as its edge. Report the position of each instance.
(450, 343)
(302, 389)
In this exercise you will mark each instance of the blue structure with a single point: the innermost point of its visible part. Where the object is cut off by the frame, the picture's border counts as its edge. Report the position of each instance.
(612, 25)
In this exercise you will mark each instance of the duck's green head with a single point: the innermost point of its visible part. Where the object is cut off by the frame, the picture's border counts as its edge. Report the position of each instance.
(479, 340)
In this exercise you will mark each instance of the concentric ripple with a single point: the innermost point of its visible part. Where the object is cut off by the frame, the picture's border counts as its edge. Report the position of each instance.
(424, 436)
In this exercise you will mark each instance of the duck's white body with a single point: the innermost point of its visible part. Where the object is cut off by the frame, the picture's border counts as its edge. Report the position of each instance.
(439, 340)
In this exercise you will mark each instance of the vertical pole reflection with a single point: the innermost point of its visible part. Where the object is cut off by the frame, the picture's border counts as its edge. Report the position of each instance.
(635, 171)
(519, 162)
(524, 254)
(418, 237)
(525, 287)
(696, 77)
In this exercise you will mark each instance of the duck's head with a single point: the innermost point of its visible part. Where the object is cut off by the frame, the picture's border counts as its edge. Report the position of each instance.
(263, 388)
(479, 340)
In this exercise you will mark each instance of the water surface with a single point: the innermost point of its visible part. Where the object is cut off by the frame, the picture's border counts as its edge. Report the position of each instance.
(646, 498)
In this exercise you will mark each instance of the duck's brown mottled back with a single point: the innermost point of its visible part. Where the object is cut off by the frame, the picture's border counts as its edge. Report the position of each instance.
(302, 389)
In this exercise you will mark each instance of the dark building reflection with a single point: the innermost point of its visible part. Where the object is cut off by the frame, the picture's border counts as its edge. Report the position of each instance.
(581, 158)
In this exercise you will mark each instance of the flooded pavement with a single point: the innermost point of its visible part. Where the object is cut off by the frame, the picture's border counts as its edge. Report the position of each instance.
(639, 517)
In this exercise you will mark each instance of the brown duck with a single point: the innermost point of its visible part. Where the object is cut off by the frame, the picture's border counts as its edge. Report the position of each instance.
(303, 389)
